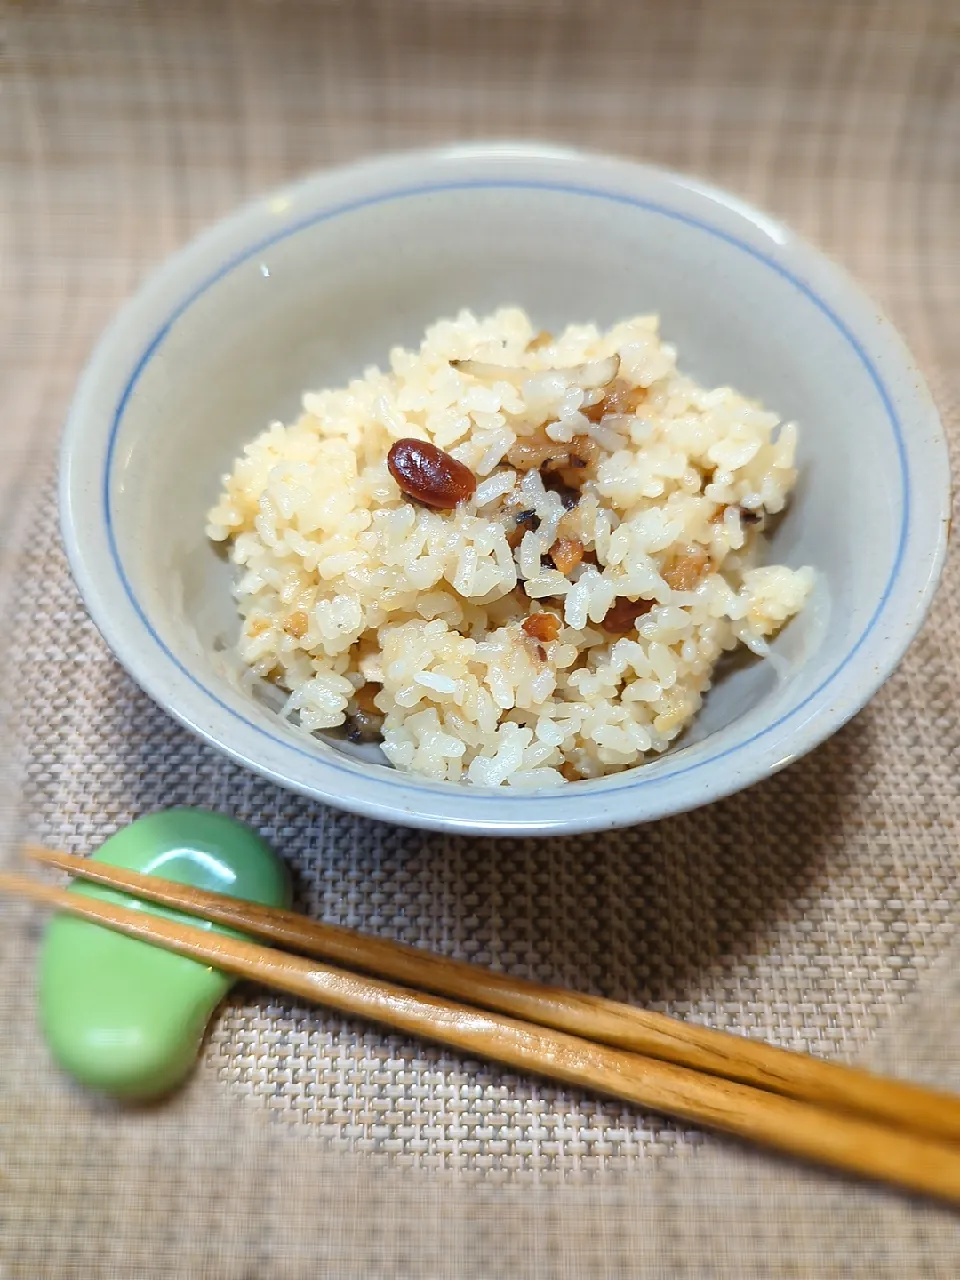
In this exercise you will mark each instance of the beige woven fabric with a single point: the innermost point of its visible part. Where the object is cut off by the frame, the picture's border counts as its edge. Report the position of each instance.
(817, 910)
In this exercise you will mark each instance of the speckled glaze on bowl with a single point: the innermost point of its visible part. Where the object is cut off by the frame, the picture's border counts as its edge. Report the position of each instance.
(306, 286)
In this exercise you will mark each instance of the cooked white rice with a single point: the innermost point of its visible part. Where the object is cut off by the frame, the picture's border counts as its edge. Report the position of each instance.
(345, 583)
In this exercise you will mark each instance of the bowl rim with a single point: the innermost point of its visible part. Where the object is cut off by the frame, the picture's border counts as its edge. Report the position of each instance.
(655, 790)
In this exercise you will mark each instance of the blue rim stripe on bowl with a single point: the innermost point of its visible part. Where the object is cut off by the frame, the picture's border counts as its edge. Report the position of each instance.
(630, 779)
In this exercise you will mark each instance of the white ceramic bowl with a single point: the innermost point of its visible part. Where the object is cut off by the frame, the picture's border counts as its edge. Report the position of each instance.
(306, 286)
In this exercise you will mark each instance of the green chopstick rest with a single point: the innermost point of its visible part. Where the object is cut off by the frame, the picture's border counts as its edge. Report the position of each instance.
(123, 1016)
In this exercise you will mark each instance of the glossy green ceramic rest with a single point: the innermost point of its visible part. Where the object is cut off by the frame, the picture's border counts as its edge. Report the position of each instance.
(126, 1017)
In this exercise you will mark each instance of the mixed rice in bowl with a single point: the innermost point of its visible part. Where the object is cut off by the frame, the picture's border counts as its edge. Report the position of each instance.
(513, 558)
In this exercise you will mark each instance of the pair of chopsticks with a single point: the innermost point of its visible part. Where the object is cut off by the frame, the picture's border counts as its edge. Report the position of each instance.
(831, 1114)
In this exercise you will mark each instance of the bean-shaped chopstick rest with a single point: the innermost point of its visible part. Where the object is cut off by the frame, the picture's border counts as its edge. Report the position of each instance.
(128, 1018)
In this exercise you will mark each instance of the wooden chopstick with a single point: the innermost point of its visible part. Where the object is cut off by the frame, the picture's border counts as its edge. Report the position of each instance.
(832, 1138)
(655, 1035)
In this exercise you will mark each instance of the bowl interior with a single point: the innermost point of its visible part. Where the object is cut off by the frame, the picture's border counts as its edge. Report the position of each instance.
(322, 295)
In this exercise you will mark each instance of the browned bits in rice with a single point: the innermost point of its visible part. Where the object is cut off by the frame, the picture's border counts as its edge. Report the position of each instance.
(365, 724)
(296, 625)
(430, 475)
(583, 453)
(553, 482)
(530, 453)
(364, 698)
(572, 478)
(747, 518)
(258, 626)
(620, 399)
(526, 520)
(559, 464)
(361, 727)
(622, 615)
(542, 339)
(566, 554)
(544, 627)
(562, 466)
(569, 525)
(685, 571)
(570, 772)
(584, 450)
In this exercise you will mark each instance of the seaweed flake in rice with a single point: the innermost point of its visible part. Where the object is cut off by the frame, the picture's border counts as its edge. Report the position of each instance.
(399, 546)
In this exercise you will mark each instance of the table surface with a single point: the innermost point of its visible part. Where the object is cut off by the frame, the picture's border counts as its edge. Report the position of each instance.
(818, 910)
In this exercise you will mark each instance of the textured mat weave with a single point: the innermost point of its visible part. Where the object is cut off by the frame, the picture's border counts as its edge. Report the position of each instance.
(819, 910)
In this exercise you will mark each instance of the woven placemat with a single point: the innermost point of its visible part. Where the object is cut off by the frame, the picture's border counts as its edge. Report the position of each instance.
(818, 910)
